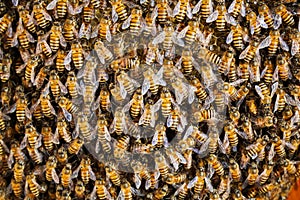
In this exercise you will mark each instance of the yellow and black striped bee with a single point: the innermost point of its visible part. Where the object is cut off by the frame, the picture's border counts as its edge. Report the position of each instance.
(221, 16)
(253, 173)
(46, 106)
(50, 169)
(103, 52)
(41, 15)
(17, 188)
(60, 6)
(88, 13)
(86, 171)
(19, 170)
(72, 85)
(62, 130)
(182, 9)
(136, 104)
(68, 107)
(70, 31)
(283, 14)
(252, 50)
(33, 186)
(236, 36)
(161, 192)
(254, 149)
(76, 55)
(273, 41)
(162, 11)
(113, 175)
(48, 137)
(216, 164)
(265, 15)
(119, 10)
(66, 174)
(6, 22)
(235, 170)
(205, 7)
(255, 23)
(237, 7)
(56, 86)
(62, 155)
(150, 26)
(75, 146)
(134, 22)
(264, 176)
(56, 37)
(226, 61)
(104, 29)
(161, 165)
(24, 37)
(282, 69)
(182, 191)
(101, 190)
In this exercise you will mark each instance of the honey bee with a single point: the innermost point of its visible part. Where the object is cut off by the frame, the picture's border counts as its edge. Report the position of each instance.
(17, 188)
(265, 15)
(66, 174)
(205, 115)
(295, 43)
(282, 69)
(278, 147)
(237, 7)
(79, 189)
(15, 153)
(181, 9)
(237, 35)
(113, 175)
(232, 134)
(255, 71)
(88, 13)
(76, 54)
(103, 135)
(102, 51)
(148, 116)
(32, 184)
(153, 54)
(264, 176)
(216, 164)
(175, 157)
(254, 149)
(252, 50)
(62, 130)
(205, 7)
(161, 165)
(6, 22)
(5, 67)
(50, 170)
(61, 7)
(55, 85)
(23, 36)
(221, 16)
(62, 155)
(119, 11)
(159, 138)
(22, 111)
(152, 81)
(283, 14)
(134, 22)
(198, 181)
(48, 137)
(70, 29)
(252, 175)
(56, 37)
(3, 118)
(68, 107)
(5, 96)
(119, 123)
(72, 85)
(46, 106)
(226, 61)
(101, 190)
(126, 191)
(168, 37)
(150, 26)
(86, 170)
(182, 191)
(83, 127)
(272, 42)
(234, 170)
(75, 146)
(162, 10)
(41, 15)
(19, 170)
(140, 173)
(104, 29)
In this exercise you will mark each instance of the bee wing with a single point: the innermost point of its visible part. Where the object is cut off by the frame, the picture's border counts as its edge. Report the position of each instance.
(92, 174)
(155, 138)
(261, 21)
(51, 5)
(243, 9)
(229, 19)
(188, 132)
(197, 7)
(189, 13)
(112, 127)
(63, 88)
(159, 38)
(33, 107)
(271, 153)
(68, 58)
(179, 189)
(179, 96)
(127, 106)
(192, 182)
(153, 29)
(67, 115)
(126, 23)
(30, 37)
(183, 32)
(265, 43)
(137, 180)
(169, 11)
(154, 13)
(145, 86)
(208, 184)
(169, 121)
(114, 15)
(283, 44)
(295, 47)
(24, 142)
(54, 176)
(229, 38)
(231, 7)
(46, 15)
(107, 134)
(223, 146)
(123, 92)
(176, 9)
(276, 103)
(15, 2)
(76, 172)
(204, 147)
(28, 113)
(277, 21)
(244, 53)
(274, 88)
(259, 92)
(212, 17)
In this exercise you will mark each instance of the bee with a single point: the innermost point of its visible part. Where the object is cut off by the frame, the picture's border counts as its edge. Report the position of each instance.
(119, 123)
(56, 37)
(182, 191)
(150, 26)
(62, 130)
(140, 172)
(265, 15)
(75, 54)
(221, 16)
(247, 128)
(48, 137)
(161, 192)
(5, 96)
(134, 22)
(119, 11)
(66, 174)
(79, 189)
(75, 146)
(50, 169)
(283, 14)
(176, 178)
(126, 191)
(68, 107)
(102, 51)
(46, 106)
(237, 37)
(234, 170)
(153, 54)
(3, 118)
(41, 76)
(216, 164)
(254, 149)
(22, 111)
(205, 7)
(252, 175)
(62, 155)
(127, 84)
(224, 184)
(84, 127)
(152, 81)
(72, 85)
(205, 115)
(103, 135)
(198, 181)
(226, 61)
(237, 195)
(60, 58)
(5, 67)
(162, 10)
(55, 85)
(32, 184)
(181, 9)
(232, 73)
(168, 37)
(104, 29)
(88, 13)
(264, 176)
(161, 165)
(23, 36)
(200, 91)
(272, 42)
(159, 138)
(253, 49)
(282, 69)
(295, 43)
(17, 188)
(70, 29)
(232, 134)
(6, 22)
(61, 7)
(255, 71)
(113, 175)
(15, 153)
(41, 15)
(86, 171)
(278, 146)
(237, 7)
(101, 190)
(19, 170)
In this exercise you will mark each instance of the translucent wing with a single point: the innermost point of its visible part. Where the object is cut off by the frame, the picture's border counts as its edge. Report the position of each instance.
(192, 182)
(177, 41)
(212, 17)
(176, 9)
(231, 7)
(145, 86)
(277, 21)
(259, 92)
(189, 13)
(114, 15)
(68, 58)
(229, 38)
(295, 47)
(159, 38)
(265, 43)
(126, 23)
(283, 44)
(55, 176)
(229, 19)
(197, 7)
(243, 9)
(244, 53)
(183, 32)
(51, 5)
